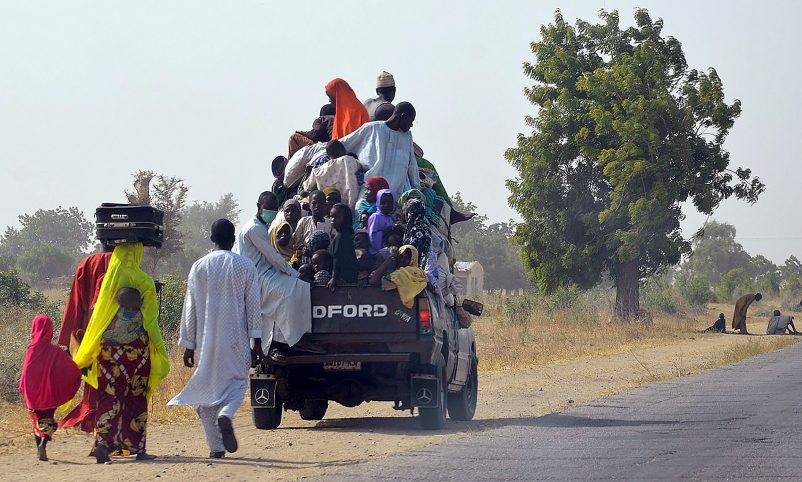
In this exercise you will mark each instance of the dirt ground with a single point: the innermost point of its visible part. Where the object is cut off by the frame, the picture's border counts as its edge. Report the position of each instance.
(350, 436)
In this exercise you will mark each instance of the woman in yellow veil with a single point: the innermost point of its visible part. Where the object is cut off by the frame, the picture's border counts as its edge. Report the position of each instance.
(124, 370)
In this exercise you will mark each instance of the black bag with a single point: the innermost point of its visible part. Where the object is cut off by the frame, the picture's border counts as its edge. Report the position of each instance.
(124, 223)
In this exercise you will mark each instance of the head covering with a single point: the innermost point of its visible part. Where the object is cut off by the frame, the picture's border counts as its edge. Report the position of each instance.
(377, 183)
(319, 240)
(285, 251)
(429, 198)
(351, 114)
(385, 79)
(417, 233)
(379, 196)
(291, 202)
(49, 376)
(415, 255)
(124, 271)
(330, 190)
(418, 150)
(408, 280)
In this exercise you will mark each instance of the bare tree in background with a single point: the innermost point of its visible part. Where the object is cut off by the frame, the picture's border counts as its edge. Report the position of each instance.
(168, 194)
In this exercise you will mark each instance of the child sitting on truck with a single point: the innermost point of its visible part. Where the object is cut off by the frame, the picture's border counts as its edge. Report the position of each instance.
(365, 262)
(344, 266)
(382, 220)
(321, 261)
(407, 277)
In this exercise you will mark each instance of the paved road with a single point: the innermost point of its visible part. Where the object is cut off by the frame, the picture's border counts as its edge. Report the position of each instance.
(736, 422)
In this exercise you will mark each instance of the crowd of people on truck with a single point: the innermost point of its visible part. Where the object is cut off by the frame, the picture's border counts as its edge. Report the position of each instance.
(354, 203)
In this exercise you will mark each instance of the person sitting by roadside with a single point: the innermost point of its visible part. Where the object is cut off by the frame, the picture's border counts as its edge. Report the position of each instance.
(781, 324)
(720, 326)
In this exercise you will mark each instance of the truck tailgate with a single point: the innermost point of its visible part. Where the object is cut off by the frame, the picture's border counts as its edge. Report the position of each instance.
(361, 310)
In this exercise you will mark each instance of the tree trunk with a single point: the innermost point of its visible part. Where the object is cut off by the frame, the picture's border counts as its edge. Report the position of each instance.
(627, 291)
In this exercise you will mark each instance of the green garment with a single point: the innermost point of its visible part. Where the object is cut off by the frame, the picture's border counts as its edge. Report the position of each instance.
(438, 188)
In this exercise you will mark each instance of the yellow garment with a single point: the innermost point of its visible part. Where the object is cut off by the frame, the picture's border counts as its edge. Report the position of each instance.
(124, 271)
(408, 280)
(285, 251)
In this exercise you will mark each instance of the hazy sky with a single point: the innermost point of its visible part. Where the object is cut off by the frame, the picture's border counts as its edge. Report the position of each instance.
(210, 91)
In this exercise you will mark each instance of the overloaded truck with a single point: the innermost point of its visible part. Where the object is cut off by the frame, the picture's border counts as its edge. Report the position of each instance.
(376, 350)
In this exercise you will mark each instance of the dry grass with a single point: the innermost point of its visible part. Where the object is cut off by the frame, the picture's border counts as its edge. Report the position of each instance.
(533, 331)
(546, 334)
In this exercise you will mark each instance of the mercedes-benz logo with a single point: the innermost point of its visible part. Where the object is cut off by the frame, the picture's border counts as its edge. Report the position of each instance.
(424, 396)
(262, 396)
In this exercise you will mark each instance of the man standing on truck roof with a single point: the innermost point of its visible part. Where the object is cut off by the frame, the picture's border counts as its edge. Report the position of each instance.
(385, 149)
(222, 311)
(385, 88)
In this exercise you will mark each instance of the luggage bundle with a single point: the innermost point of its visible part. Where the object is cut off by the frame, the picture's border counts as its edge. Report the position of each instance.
(126, 223)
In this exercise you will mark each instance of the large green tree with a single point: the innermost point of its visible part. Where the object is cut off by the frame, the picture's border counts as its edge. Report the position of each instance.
(624, 133)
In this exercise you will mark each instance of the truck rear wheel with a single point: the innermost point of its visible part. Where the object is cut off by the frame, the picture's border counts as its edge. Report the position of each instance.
(314, 409)
(435, 418)
(462, 404)
(267, 418)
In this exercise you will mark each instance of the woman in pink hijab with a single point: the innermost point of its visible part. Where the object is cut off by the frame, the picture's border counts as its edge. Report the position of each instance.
(49, 379)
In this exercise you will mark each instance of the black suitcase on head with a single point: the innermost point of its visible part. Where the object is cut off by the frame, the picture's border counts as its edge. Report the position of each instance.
(124, 223)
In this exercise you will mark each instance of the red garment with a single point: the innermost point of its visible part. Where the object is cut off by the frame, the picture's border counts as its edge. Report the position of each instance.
(44, 423)
(49, 376)
(377, 183)
(350, 112)
(83, 295)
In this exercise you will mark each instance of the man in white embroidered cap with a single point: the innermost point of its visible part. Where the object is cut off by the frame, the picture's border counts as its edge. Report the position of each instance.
(385, 88)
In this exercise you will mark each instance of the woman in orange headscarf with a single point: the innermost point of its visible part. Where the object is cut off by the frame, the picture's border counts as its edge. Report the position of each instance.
(350, 112)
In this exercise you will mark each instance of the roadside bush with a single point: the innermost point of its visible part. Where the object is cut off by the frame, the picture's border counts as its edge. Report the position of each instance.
(657, 295)
(695, 291)
(172, 302)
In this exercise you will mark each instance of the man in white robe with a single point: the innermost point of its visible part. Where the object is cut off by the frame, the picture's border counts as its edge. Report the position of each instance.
(221, 313)
(384, 148)
(286, 307)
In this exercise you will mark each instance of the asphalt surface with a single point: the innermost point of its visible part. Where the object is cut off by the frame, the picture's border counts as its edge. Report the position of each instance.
(736, 422)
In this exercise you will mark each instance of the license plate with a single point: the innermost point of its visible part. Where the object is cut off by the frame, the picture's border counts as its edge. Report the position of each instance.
(343, 366)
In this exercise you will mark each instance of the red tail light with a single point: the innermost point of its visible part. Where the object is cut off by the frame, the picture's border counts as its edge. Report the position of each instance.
(424, 317)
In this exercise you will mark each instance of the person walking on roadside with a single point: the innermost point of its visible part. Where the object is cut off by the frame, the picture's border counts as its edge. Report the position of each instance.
(49, 378)
(77, 312)
(222, 312)
(741, 306)
(122, 355)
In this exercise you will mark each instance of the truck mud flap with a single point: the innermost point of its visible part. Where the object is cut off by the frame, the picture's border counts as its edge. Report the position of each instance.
(263, 392)
(425, 390)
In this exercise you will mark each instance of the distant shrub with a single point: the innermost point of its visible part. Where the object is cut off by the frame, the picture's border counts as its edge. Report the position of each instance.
(172, 302)
(695, 291)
